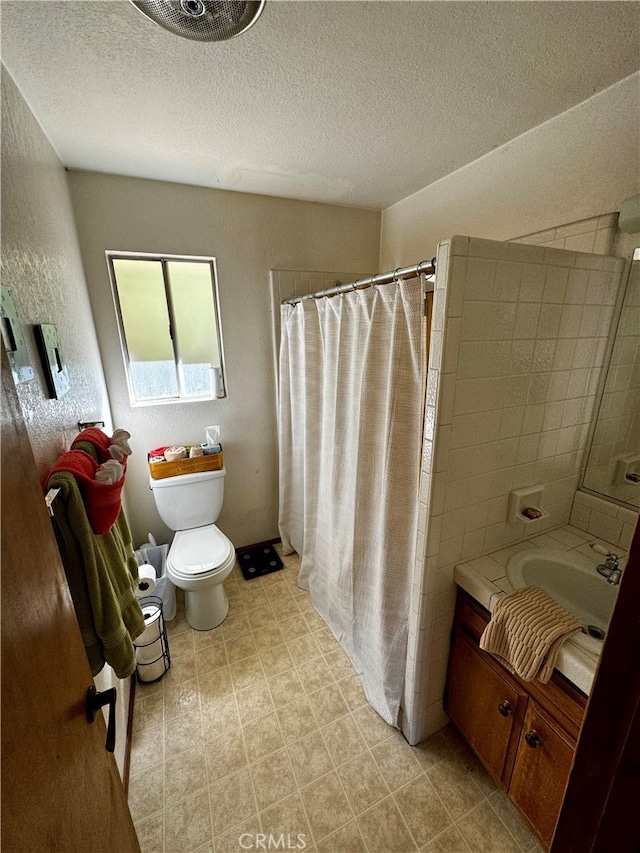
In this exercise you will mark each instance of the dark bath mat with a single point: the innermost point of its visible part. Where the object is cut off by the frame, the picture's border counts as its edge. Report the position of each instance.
(259, 561)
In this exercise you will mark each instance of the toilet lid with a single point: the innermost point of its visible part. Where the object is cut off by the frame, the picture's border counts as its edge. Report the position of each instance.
(200, 550)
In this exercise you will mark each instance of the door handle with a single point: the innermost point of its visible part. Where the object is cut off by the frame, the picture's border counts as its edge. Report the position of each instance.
(98, 699)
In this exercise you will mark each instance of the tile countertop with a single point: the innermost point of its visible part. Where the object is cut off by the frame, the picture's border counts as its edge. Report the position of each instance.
(485, 579)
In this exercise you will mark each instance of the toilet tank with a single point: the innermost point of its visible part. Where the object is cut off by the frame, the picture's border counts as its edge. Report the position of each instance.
(189, 500)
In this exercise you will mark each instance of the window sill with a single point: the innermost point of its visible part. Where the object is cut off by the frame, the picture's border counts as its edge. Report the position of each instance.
(144, 404)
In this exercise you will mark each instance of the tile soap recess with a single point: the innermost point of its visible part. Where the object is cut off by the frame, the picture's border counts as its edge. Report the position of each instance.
(526, 505)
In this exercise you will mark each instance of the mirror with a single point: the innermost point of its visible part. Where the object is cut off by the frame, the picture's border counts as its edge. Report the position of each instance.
(613, 468)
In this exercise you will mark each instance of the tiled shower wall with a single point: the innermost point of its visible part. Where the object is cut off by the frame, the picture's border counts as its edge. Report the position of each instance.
(597, 234)
(518, 344)
(604, 519)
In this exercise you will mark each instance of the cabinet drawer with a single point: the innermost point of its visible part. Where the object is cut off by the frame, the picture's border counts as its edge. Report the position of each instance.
(482, 703)
(541, 770)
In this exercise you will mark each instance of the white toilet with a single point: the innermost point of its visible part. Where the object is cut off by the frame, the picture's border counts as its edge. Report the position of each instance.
(201, 557)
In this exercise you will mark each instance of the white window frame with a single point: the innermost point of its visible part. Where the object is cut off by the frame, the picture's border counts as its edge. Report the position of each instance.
(149, 256)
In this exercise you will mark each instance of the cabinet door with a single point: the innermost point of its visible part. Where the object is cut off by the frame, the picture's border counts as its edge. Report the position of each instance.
(541, 770)
(481, 703)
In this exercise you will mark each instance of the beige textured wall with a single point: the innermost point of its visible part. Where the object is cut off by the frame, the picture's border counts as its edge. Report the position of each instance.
(249, 235)
(41, 263)
(528, 185)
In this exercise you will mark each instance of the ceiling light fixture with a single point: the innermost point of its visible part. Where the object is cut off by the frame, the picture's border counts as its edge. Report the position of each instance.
(202, 20)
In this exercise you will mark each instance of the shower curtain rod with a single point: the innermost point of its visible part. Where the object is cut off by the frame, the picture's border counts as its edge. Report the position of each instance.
(427, 267)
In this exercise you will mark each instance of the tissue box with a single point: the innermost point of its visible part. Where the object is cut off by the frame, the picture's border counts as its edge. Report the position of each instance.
(160, 470)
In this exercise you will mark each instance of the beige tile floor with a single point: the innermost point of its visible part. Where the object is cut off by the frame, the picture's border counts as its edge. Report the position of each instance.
(261, 726)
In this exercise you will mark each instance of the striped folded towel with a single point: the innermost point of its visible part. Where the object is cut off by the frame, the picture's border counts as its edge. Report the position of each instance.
(526, 631)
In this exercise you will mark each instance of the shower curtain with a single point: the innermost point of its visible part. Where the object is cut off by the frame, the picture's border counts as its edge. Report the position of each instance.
(350, 417)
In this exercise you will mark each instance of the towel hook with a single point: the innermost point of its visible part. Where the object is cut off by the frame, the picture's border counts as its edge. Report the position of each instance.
(87, 424)
(49, 499)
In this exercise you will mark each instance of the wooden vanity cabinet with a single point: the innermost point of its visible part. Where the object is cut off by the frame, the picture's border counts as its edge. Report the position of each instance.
(483, 704)
(541, 770)
(523, 732)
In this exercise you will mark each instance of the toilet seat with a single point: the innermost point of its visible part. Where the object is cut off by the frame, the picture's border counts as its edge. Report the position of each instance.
(199, 551)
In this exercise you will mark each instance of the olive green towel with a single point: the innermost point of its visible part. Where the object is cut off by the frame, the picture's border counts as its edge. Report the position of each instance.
(101, 572)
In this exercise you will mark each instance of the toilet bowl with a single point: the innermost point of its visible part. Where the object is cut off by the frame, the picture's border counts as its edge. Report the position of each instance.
(198, 562)
(200, 557)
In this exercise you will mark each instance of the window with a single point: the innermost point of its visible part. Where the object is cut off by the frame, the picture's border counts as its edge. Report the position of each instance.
(169, 321)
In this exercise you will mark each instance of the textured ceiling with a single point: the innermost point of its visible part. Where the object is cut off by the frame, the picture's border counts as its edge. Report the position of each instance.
(359, 103)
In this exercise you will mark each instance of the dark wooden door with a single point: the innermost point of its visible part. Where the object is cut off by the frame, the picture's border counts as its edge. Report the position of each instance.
(541, 771)
(600, 810)
(61, 791)
(482, 704)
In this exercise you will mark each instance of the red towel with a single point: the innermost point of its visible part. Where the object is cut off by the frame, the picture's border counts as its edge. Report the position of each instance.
(100, 440)
(102, 501)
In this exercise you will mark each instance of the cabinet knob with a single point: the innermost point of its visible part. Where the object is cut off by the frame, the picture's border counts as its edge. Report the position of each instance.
(505, 708)
(533, 739)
